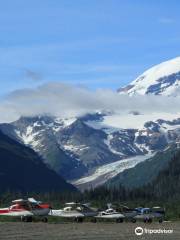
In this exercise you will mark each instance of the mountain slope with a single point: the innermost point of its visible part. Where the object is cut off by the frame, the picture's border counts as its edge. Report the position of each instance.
(22, 170)
(162, 79)
(164, 189)
(70, 149)
(87, 144)
(167, 183)
(144, 172)
(39, 133)
(80, 148)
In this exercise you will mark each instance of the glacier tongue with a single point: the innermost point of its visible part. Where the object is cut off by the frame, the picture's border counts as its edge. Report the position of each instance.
(107, 171)
(89, 150)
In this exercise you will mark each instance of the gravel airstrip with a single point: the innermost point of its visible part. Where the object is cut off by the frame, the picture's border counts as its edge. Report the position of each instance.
(82, 231)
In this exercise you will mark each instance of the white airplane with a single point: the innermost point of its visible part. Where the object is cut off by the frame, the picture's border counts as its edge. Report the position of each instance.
(111, 213)
(76, 211)
(26, 209)
(148, 214)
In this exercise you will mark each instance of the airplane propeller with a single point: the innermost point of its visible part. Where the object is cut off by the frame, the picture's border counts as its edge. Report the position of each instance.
(109, 205)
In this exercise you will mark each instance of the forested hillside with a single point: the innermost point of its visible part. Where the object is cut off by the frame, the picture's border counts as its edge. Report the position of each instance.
(21, 169)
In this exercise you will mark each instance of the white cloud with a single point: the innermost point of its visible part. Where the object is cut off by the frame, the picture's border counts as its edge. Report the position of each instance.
(68, 100)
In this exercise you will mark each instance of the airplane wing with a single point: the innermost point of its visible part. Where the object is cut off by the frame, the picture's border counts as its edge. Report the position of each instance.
(33, 201)
(19, 201)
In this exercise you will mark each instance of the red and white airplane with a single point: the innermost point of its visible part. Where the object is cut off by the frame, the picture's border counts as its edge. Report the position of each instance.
(26, 209)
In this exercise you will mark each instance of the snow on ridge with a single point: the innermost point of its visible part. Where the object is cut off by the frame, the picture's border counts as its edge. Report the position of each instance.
(167, 127)
(28, 138)
(107, 142)
(163, 69)
(75, 148)
(116, 122)
(65, 121)
(141, 84)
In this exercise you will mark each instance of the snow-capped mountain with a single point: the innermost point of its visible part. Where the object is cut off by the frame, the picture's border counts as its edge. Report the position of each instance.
(87, 148)
(69, 146)
(133, 146)
(39, 133)
(162, 79)
(95, 147)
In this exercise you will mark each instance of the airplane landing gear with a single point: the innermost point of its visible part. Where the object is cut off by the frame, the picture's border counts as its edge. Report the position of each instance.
(119, 220)
(94, 220)
(26, 219)
(78, 219)
(133, 220)
(148, 220)
(45, 219)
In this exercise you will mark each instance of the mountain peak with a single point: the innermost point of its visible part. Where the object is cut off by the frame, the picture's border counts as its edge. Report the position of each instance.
(162, 79)
(31, 119)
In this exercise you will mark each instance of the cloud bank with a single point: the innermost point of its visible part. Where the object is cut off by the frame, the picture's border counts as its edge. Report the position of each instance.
(64, 100)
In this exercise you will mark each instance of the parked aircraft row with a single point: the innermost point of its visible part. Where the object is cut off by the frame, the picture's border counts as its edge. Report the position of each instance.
(27, 209)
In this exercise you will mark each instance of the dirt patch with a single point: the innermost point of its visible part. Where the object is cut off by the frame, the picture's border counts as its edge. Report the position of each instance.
(84, 231)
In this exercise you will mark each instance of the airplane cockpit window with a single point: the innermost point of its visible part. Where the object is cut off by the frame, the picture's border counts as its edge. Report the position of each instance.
(26, 207)
(34, 206)
(14, 207)
(67, 209)
(110, 211)
(146, 211)
(79, 208)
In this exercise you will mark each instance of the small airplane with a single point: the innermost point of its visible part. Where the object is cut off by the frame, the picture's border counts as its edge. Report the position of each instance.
(76, 211)
(129, 213)
(148, 214)
(111, 213)
(26, 209)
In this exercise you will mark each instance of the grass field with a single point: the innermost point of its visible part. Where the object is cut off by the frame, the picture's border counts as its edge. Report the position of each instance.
(79, 231)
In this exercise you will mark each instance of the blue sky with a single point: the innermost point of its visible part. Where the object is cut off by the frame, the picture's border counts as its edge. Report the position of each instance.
(97, 43)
